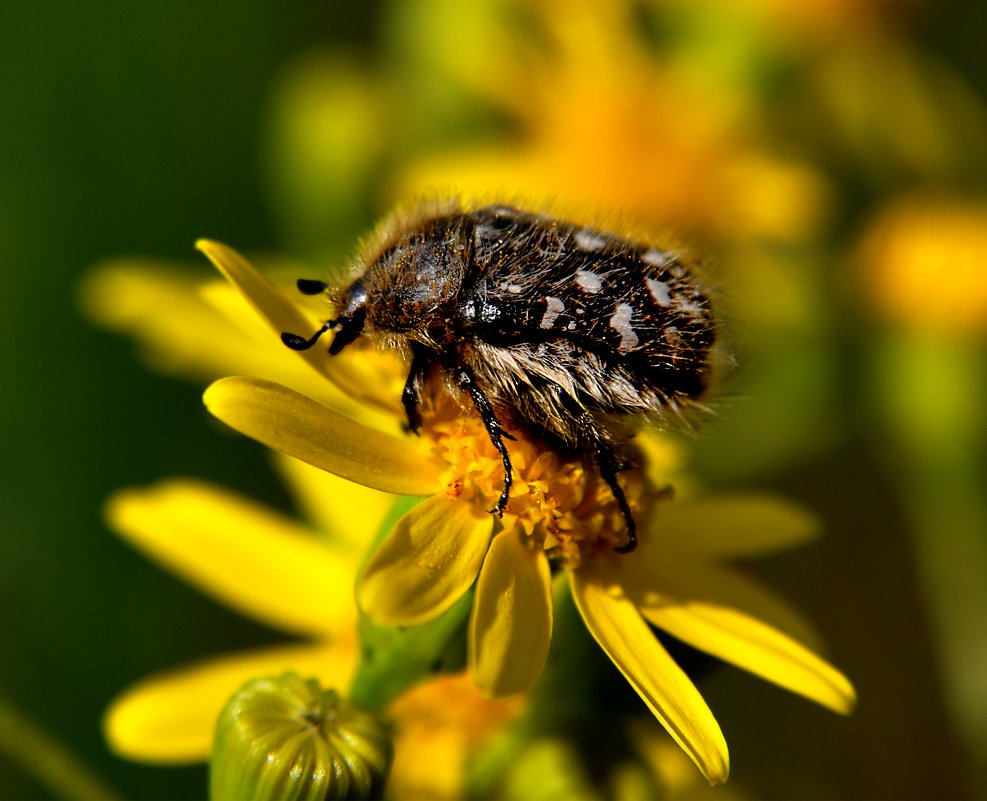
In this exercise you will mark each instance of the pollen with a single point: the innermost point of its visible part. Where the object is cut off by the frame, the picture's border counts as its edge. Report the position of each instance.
(558, 499)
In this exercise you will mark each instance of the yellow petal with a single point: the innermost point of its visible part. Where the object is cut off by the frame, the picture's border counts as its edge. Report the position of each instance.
(750, 644)
(298, 426)
(426, 563)
(282, 315)
(730, 526)
(349, 512)
(169, 718)
(670, 695)
(158, 304)
(259, 352)
(511, 622)
(247, 556)
(268, 300)
(204, 329)
(718, 585)
(437, 724)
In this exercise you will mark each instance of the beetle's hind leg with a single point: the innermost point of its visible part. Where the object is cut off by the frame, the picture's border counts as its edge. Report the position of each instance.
(609, 466)
(606, 459)
(466, 379)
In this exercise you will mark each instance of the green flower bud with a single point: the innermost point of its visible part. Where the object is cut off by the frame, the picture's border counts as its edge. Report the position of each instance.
(286, 738)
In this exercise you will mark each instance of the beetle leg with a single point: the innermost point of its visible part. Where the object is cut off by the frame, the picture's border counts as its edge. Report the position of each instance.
(411, 395)
(494, 430)
(606, 460)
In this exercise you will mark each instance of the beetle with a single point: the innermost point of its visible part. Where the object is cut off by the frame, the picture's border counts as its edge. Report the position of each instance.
(562, 328)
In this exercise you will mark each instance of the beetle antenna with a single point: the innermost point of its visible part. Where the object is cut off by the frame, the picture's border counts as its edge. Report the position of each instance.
(296, 342)
(309, 286)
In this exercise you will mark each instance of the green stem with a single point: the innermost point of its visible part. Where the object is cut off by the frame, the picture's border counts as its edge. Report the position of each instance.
(396, 659)
(47, 760)
(932, 389)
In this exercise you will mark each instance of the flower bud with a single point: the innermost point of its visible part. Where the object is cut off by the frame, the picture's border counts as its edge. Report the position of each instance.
(287, 738)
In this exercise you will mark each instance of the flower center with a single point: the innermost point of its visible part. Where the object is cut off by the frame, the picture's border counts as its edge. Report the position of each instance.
(557, 499)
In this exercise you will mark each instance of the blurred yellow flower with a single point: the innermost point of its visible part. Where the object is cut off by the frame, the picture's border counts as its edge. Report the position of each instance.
(924, 263)
(815, 19)
(437, 726)
(675, 778)
(601, 121)
(561, 515)
(258, 562)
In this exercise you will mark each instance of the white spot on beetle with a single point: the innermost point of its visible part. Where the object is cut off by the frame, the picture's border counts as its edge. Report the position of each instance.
(621, 323)
(588, 240)
(657, 258)
(554, 307)
(514, 289)
(690, 307)
(659, 291)
(489, 313)
(589, 282)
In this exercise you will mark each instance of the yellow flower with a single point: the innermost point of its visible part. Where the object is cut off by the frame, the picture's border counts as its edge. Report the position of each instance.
(438, 725)
(602, 121)
(260, 563)
(923, 263)
(808, 21)
(202, 328)
(295, 578)
(561, 517)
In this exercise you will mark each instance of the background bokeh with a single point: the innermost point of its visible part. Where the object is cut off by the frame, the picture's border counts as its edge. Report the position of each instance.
(828, 158)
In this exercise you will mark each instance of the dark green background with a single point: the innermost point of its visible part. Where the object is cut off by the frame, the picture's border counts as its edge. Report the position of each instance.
(126, 128)
(136, 127)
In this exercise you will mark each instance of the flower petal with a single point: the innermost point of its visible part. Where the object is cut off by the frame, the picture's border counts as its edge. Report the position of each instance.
(748, 643)
(281, 314)
(731, 526)
(205, 329)
(296, 425)
(438, 723)
(158, 303)
(267, 299)
(348, 512)
(718, 585)
(666, 689)
(251, 558)
(169, 718)
(426, 563)
(510, 627)
(260, 352)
